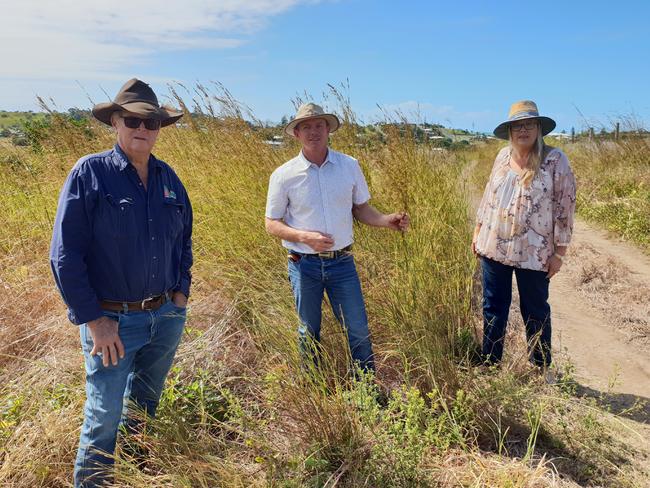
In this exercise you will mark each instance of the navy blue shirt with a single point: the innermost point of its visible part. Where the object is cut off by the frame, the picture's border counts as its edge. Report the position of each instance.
(115, 240)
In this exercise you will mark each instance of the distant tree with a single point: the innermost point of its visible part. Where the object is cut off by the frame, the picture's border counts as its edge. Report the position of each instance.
(284, 120)
(78, 114)
(444, 143)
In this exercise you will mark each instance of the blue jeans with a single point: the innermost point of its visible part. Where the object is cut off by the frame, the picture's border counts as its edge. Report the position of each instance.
(150, 340)
(535, 310)
(310, 277)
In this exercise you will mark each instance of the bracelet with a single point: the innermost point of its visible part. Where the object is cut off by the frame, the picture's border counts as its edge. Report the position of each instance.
(559, 257)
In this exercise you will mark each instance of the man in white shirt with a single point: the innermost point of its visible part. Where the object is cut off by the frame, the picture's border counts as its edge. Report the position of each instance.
(311, 203)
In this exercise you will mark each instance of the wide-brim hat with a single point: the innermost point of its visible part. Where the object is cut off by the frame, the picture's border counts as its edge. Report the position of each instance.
(525, 109)
(308, 111)
(137, 98)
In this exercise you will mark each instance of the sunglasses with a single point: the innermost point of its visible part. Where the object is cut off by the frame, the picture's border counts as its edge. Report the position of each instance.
(134, 123)
(523, 125)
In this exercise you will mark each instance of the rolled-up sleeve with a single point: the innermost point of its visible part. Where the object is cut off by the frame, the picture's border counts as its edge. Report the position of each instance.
(564, 201)
(277, 198)
(360, 192)
(71, 238)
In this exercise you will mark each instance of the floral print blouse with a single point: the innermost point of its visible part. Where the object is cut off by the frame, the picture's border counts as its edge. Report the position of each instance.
(521, 226)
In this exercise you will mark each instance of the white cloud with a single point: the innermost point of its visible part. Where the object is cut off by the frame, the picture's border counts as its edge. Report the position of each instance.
(96, 39)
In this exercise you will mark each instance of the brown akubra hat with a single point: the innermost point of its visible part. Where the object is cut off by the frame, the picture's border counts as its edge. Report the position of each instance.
(138, 98)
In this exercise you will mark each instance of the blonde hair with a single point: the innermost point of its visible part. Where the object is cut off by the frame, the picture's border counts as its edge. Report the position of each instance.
(535, 157)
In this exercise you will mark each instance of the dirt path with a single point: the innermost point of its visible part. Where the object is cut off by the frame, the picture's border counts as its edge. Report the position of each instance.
(601, 313)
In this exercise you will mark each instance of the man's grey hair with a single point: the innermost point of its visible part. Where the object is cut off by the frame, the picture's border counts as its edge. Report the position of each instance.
(115, 115)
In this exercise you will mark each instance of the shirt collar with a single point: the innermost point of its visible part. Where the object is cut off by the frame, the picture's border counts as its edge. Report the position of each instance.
(306, 163)
(122, 160)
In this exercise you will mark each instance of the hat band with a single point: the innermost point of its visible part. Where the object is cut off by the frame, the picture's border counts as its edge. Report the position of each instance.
(524, 115)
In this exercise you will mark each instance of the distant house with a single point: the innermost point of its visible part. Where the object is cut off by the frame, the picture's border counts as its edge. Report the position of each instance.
(558, 135)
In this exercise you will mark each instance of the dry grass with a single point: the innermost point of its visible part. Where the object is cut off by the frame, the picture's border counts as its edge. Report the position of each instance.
(614, 289)
(238, 408)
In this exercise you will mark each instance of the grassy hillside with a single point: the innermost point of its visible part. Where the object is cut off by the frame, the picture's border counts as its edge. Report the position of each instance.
(239, 409)
(17, 119)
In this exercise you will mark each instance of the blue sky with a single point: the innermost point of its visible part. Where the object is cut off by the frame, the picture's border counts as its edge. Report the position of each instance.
(457, 63)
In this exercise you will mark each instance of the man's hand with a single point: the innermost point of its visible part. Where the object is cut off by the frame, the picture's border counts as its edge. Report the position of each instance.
(398, 221)
(318, 241)
(106, 341)
(179, 299)
(554, 265)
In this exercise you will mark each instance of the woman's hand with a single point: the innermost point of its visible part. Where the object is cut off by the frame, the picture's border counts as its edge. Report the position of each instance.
(554, 265)
(477, 229)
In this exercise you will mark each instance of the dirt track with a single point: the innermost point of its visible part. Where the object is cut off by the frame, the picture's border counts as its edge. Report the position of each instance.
(601, 313)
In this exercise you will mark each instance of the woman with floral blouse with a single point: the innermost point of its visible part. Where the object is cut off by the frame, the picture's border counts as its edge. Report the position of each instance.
(524, 224)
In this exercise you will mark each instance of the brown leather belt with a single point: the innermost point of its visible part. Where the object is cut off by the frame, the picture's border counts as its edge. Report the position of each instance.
(151, 303)
(326, 254)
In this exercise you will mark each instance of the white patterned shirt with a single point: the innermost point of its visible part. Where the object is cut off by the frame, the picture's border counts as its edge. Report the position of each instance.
(523, 226)
(308, 197)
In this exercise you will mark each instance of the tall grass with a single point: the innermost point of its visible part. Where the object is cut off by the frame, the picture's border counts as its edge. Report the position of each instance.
(614, 179)
(239, 408)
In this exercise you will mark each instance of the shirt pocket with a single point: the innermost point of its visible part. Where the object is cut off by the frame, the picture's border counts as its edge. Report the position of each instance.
(303, 196)
(340, 193)
(116, 218)
(174, 217)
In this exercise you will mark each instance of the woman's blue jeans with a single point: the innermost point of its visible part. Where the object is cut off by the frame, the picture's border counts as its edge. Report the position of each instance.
(150, 341)
(535, 310)
(310, 278)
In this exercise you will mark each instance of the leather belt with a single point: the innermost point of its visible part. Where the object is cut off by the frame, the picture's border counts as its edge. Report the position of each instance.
(151, 303)
(326, 254)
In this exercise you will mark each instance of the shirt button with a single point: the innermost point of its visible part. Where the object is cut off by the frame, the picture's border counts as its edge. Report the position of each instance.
(155, 257)
(153, 276)
(150, 220)
(153, 238)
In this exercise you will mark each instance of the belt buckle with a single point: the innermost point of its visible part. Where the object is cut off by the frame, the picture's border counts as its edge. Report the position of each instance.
(326, 254)
(146, 301)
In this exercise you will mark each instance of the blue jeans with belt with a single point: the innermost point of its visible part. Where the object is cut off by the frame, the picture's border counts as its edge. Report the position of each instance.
(535, 310)
(150, 341)
(312, 276)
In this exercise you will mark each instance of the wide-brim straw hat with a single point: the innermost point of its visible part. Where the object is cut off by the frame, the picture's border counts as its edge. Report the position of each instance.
(308, 111)
(525, 109)
(137, 98)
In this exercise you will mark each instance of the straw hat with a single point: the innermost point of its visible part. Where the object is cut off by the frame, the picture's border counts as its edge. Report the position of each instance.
(138, 98)
(525, 109)
(308, 111)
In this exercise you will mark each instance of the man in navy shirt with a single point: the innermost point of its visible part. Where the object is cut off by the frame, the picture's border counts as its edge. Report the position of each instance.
(121, 255)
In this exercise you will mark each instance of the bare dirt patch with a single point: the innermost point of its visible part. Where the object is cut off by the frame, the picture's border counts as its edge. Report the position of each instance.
(601, 306)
